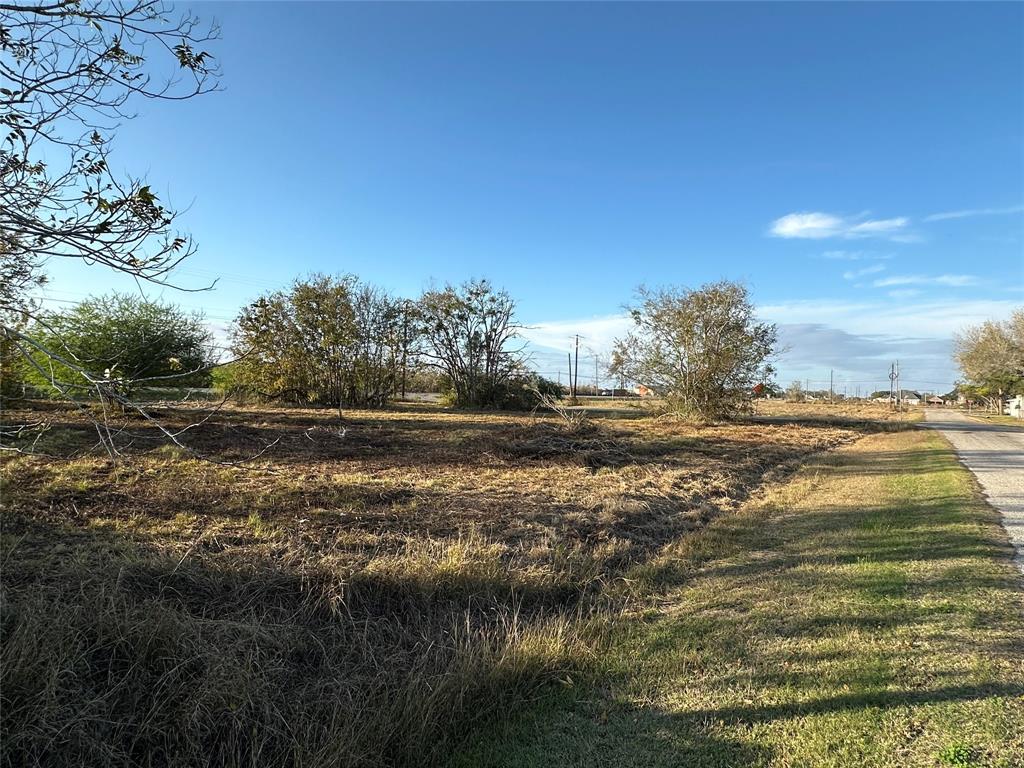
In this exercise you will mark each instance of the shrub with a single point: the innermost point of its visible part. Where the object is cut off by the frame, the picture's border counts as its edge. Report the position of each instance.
(122, 340)
(703, 350)
(465, 334)
(328, 340)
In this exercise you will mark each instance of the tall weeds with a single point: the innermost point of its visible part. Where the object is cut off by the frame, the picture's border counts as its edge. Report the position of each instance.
(133, 658)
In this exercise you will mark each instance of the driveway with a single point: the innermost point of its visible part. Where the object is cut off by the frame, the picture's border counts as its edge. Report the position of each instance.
(995, 454)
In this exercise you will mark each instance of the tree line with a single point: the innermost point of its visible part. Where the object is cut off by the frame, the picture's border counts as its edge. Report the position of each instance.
(340, 341)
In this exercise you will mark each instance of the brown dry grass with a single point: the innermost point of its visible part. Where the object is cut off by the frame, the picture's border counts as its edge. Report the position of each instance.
(843, 411)
(363, 599)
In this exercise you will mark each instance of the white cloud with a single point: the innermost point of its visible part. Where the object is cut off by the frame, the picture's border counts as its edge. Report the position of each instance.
(818, 226)
(932, 319)
(853, 274)
(595, 333)
(858, 339)
(937, 319)
(855, 256)
(548, 342)
(808, 225)
(879, 226)
(974, 212)
(950, 281)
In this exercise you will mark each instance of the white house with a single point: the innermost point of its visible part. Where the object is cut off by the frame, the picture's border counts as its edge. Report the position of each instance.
(910, 397)
(1015, 407)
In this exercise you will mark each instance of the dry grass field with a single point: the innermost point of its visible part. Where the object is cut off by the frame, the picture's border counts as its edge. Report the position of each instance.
(842, 411)
(379, 591)
(361, 595)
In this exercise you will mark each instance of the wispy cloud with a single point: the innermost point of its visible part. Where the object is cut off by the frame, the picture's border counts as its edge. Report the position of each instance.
(597, 333)
(878, 226)
(857, 338)
(816, 225)
(862, 338)
(932, 319)
(974, 212)
(855, 256)
(904, 293)
(853, 274)
(950, 281)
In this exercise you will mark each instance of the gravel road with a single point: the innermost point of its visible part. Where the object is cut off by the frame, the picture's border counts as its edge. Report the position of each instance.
(995, 454)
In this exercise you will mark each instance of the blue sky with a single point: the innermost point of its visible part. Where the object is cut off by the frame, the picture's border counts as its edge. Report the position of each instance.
(859, 166)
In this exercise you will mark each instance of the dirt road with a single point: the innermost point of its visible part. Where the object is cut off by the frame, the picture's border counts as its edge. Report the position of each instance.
(995, 453)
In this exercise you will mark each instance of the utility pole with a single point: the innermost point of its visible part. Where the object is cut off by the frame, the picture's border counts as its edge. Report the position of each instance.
(576, 375)
(572, 387)
(597, 388)
(899, 392)
(405, 345)
(831, 388)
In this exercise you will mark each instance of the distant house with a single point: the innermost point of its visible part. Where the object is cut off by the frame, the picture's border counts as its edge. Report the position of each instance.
(910, 397)
(645, 391)
(935, 400)
(618, 393)
(1015, 407)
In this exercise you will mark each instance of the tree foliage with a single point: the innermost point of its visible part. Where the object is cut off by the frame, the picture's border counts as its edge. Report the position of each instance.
(69, 73)
(467, 333)
(339, 341)
(991, 356)
(702, 350)
(120, 340)
(328, 340)
(69, 70)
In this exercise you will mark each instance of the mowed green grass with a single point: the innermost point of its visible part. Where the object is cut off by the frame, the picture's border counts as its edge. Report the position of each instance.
(866, 614)
(992, 418)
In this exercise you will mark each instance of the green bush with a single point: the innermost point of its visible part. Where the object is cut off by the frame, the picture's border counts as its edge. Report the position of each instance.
(125, 340)
(521, 393)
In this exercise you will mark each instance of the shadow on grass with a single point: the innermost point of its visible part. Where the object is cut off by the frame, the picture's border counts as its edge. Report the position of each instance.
(119, 654)
(188, 657)
(561, 731)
